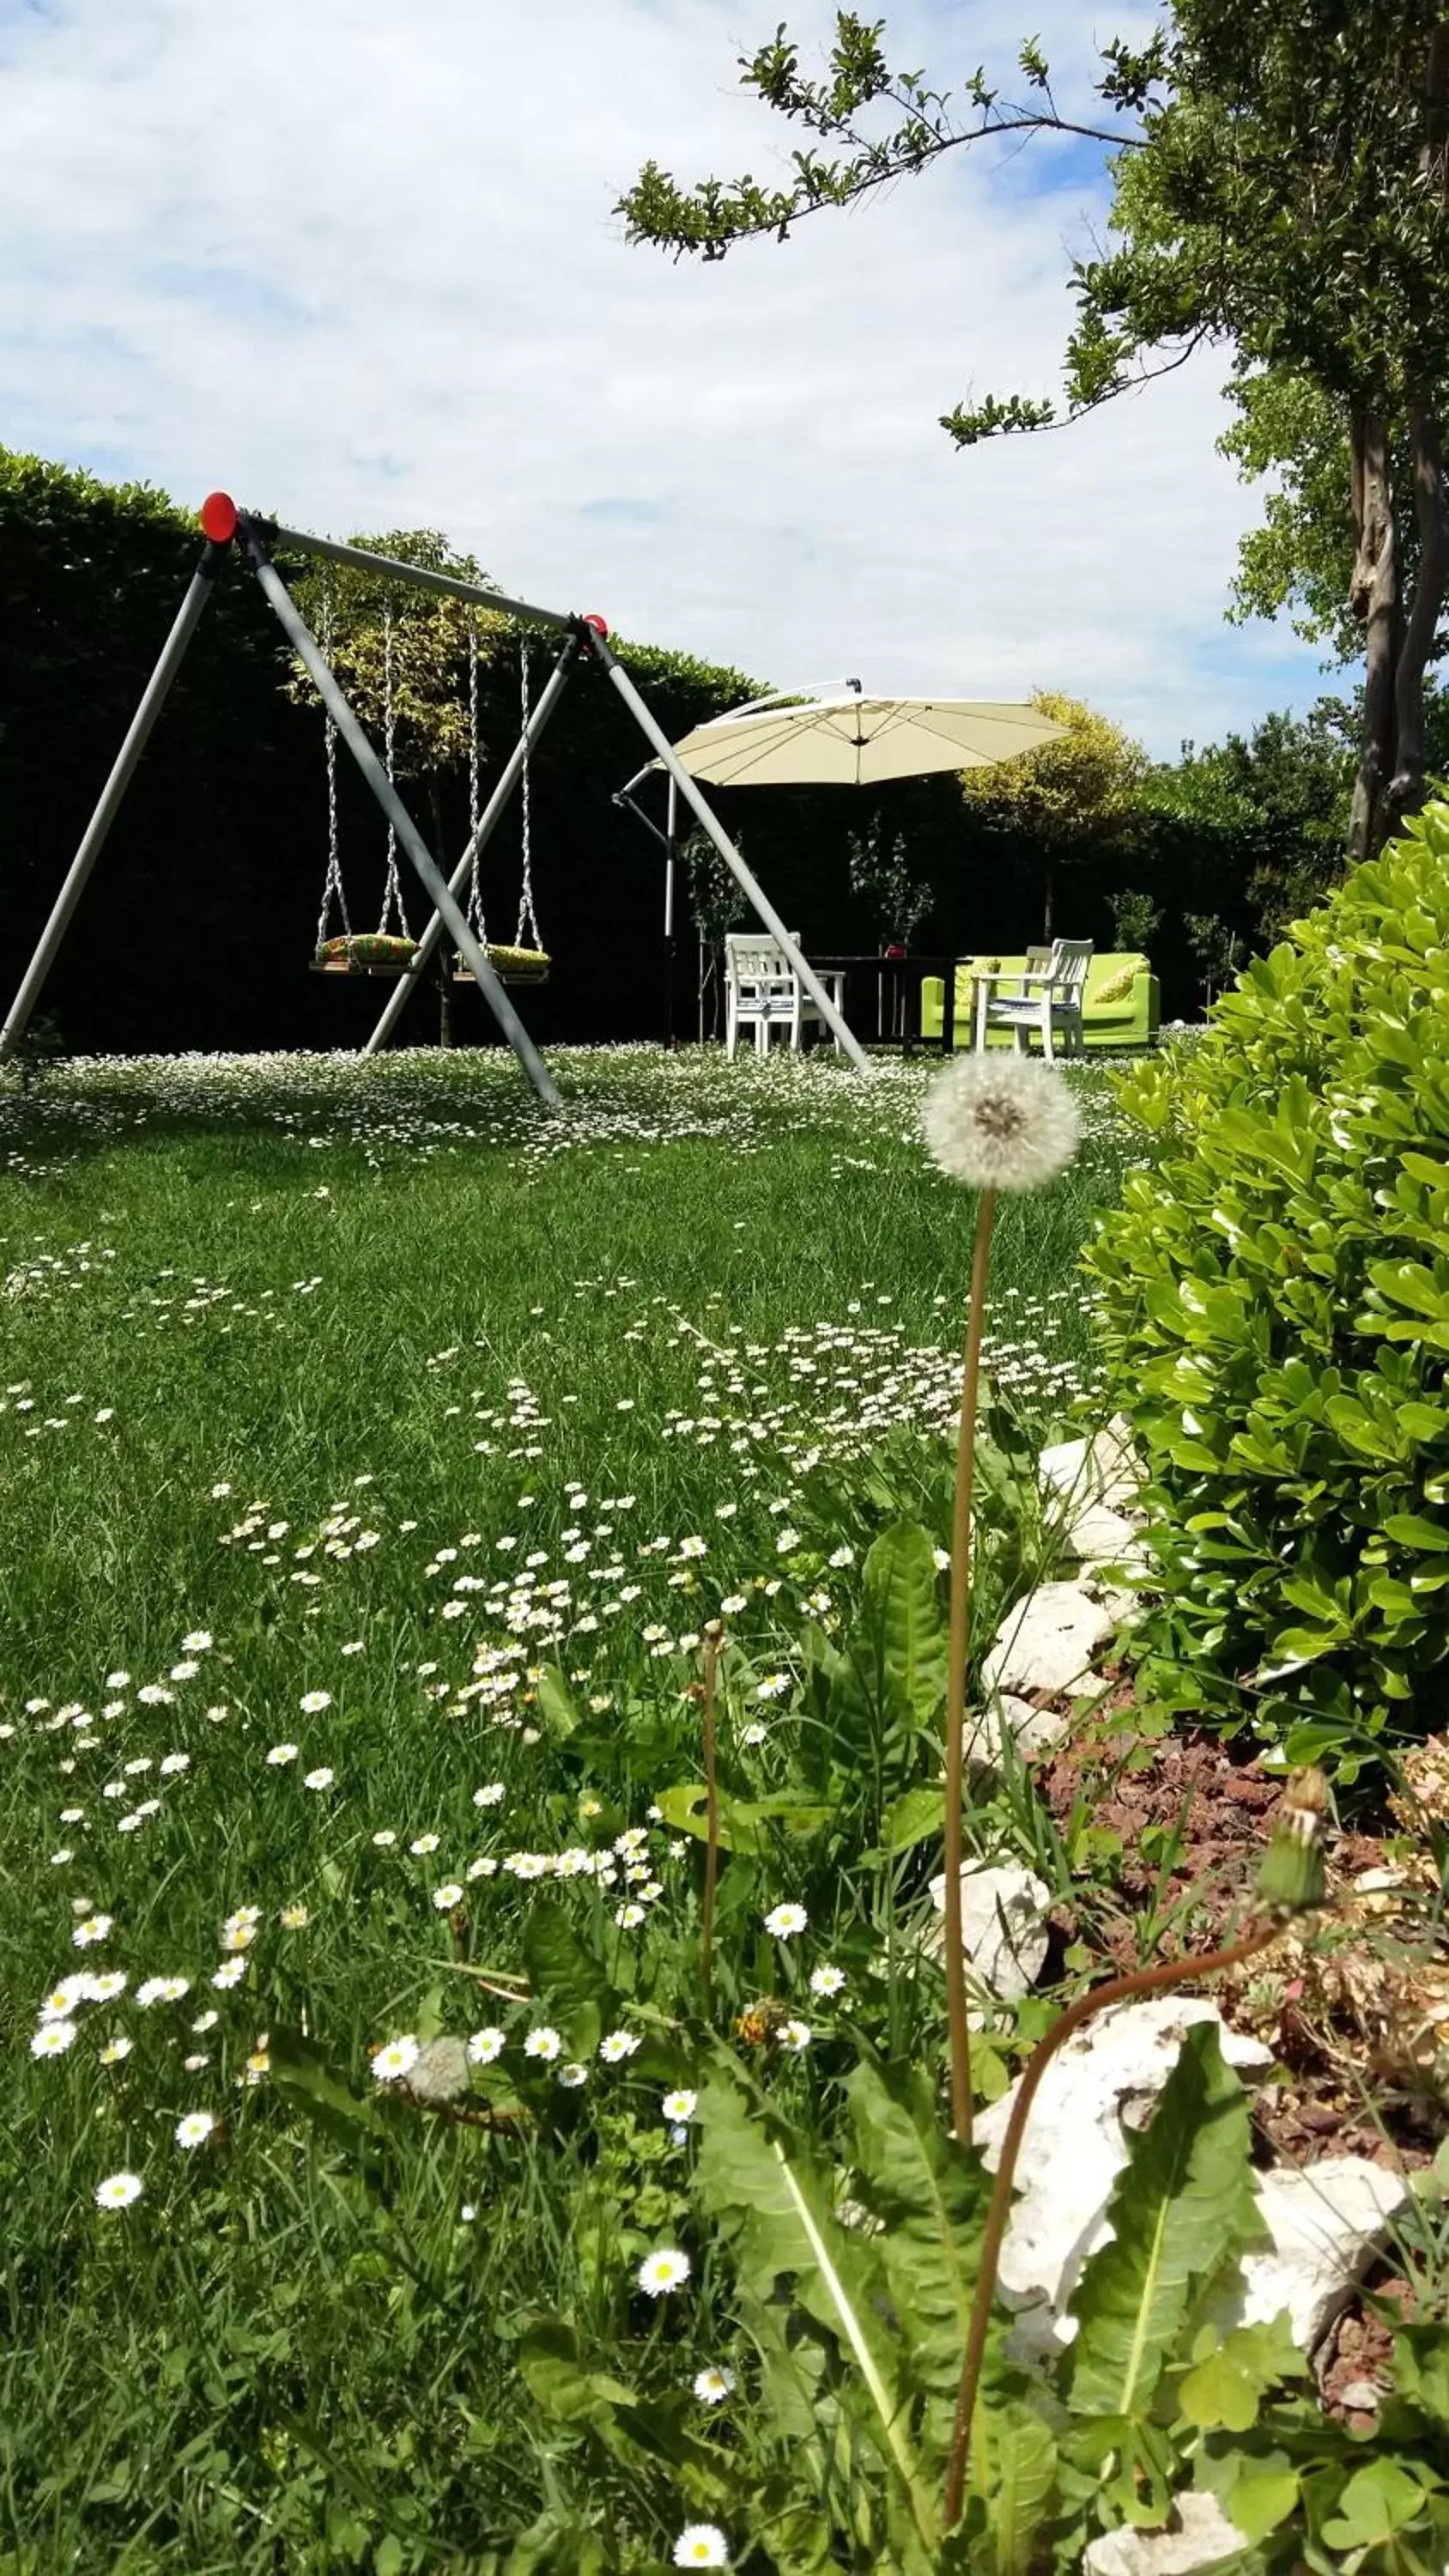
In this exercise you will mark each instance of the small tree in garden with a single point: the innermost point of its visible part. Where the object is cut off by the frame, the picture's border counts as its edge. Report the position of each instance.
(374, 627)
(881, 872)
(1134, 919)
(1070, 798)
(1215, 949)
(717, 905)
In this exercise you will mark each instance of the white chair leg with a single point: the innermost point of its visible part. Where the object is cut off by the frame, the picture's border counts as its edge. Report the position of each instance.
(732, 1030)
(1046, 1034)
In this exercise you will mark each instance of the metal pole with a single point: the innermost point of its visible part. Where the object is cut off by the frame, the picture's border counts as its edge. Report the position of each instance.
(418, 574)
(152, 700)
(488, 822)
(304, 645)
(671, 829)
(801, 965)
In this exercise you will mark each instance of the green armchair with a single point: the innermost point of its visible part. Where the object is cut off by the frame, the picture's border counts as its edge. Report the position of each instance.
(1121, 1004)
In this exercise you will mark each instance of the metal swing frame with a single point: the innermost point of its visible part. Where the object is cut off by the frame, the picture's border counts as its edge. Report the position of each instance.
(585, 639)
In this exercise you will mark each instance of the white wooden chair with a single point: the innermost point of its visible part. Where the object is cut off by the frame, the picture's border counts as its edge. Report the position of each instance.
(1046, 999)
(763, 992)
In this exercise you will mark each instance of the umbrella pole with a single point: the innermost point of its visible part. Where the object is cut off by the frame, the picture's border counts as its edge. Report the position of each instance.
(670, 831)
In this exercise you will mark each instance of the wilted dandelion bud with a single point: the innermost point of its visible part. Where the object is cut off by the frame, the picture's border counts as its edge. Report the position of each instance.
(1291, 1876)
(1002, 1122)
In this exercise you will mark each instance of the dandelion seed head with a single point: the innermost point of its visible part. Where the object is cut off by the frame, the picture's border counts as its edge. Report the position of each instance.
(1000, 1122)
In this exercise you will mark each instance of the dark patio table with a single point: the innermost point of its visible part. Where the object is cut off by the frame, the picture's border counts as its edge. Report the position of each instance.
(895, 1023)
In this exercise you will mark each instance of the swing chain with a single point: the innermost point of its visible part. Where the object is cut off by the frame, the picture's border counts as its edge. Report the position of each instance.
(392, 890)
(527, 934)
(333, 889)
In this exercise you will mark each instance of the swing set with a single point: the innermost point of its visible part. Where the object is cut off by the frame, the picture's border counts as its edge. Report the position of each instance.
(456, 901)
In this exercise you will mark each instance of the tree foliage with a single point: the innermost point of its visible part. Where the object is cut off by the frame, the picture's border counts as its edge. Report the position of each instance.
(1070, 798)
(1281, 190)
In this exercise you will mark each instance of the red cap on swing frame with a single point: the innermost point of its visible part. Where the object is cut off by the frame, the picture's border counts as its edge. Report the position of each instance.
(599, 624)
(218, 515)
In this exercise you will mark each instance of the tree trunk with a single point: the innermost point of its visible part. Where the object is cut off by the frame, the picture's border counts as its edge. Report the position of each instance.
(1431, 510)
(1049, 890)
(445, 999)
(1374, 598)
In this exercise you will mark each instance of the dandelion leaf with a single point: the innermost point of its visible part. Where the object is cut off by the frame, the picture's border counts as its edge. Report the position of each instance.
(930, 2196)
(774, 2210)
(901, 1640)
(1022, 2469)
(1181, 2207)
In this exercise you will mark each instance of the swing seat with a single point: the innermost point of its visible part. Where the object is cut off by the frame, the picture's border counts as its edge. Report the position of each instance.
(510, 965)
(365, 952)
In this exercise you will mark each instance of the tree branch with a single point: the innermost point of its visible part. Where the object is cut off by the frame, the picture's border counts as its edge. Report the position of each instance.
(1018, 415)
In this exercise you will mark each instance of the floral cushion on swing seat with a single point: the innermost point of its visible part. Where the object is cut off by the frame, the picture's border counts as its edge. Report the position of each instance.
(515, 965)
(367, 948)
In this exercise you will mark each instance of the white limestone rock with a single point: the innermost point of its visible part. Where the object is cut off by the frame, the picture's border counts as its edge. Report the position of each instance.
(1203, 2536)
(1034, 1731)
(1327, 2222)
(1100, 2087)
(1103, 1470)
(1099, 1536)
(1047, 1642)
(1003, 1925)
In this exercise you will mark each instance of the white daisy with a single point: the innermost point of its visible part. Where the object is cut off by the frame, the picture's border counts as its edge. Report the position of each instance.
(786, 1920)
(312, 1703)
(666, 2270)
(118, 2191)
(116, 2049)
(485, 2046)
(321, 1778)
(827, 1981)
(281, 1753)
(162, 1990)
(681, 2105)
(195, 2129)
(543, 2042)
(714, 2385)
(423, 1844)
(395, 2058)
(52, 2039)
(795, 2035)
(94, 1928)
(447, 1896)
(701, 2544)
(573, 2076)
(618, 2044)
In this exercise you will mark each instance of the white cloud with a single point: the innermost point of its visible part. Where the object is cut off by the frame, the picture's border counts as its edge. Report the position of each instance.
(359, 267)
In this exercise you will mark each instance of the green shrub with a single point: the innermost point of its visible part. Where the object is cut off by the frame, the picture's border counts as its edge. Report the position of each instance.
(1276, 1302)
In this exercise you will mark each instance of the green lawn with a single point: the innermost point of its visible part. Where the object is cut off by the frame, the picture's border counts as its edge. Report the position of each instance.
(337, 1404)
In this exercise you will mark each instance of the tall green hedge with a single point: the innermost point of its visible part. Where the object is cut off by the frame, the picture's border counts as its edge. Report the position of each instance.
(1276, 1300)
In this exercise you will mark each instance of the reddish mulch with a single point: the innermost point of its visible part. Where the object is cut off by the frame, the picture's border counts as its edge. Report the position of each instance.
(1356, 2353)
(1220, 1805)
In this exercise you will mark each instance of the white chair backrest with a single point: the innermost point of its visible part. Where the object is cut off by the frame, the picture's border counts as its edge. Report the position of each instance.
(1070, 959)
(752, 957)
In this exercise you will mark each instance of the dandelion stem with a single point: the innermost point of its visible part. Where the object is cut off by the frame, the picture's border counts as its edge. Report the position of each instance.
(711, 1788)
(960, 1633)
(1143, 1981)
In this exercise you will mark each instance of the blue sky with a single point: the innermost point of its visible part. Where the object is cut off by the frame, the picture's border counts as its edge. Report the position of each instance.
(358, 266)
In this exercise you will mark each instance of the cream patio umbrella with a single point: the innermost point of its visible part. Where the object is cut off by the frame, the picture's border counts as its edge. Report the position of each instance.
(855, 741)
